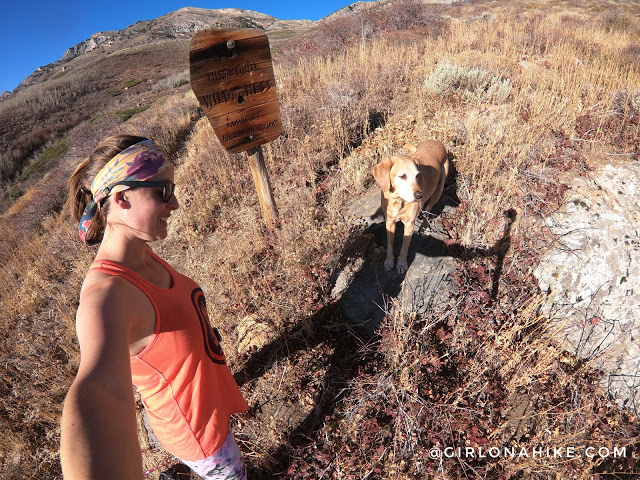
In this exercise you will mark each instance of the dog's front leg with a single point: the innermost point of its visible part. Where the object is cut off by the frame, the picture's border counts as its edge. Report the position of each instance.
(406, 239)
(391, 232)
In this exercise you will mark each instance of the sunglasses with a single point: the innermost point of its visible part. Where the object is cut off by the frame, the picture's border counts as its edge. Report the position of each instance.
(167, 187)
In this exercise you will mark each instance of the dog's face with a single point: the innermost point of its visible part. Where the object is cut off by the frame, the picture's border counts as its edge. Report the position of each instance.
(405, 179)
(400, 175)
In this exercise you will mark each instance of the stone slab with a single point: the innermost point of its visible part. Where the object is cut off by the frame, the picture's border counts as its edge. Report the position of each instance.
(366, 292)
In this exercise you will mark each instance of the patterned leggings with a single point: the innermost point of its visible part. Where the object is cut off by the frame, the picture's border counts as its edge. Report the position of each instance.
(225, 464)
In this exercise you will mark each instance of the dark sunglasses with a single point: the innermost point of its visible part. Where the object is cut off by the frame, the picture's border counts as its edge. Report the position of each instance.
(167, 187)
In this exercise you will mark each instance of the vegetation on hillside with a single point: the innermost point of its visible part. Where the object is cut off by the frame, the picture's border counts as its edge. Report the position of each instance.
(523, 94)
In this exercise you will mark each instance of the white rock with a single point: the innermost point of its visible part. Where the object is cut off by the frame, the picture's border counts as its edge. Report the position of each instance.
(593, 276)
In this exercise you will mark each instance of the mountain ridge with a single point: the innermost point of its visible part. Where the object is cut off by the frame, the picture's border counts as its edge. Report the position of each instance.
(181, 23)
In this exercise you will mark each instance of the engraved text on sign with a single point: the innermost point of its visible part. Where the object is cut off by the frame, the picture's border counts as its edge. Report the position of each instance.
(232, 76)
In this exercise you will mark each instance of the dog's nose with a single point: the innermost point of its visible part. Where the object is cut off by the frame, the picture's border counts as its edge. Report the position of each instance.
(417, 195)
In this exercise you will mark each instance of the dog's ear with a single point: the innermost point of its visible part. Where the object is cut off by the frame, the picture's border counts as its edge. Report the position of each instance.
(410, 148)
(381, 172)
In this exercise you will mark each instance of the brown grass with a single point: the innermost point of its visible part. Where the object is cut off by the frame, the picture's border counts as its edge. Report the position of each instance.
(518, 96)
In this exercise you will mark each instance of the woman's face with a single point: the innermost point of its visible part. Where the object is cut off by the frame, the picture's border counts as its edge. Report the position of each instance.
(148, 214)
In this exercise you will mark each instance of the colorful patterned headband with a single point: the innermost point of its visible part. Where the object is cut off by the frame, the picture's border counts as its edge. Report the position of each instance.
(137, 162)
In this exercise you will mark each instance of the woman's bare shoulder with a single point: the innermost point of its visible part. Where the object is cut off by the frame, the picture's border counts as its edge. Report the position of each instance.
(99, 286)
(108, 299)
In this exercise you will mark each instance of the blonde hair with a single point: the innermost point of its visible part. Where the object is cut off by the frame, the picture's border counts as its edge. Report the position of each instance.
(79, 183)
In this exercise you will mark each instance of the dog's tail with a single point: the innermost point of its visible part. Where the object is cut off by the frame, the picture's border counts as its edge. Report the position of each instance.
(411, 149)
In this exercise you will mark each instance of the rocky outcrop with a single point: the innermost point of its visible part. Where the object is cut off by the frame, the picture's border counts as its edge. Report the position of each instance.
(354, 7)
(592, 275)
(96, 40)
(182, 23)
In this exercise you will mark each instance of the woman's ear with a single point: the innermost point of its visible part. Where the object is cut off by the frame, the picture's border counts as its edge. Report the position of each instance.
(121, 199)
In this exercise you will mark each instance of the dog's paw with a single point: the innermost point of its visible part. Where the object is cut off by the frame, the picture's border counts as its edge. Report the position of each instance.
(402, 266)
(388, 265)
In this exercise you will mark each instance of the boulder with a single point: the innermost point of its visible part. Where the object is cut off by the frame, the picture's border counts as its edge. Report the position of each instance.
(253, 333)
(366, 292)
(592, 275)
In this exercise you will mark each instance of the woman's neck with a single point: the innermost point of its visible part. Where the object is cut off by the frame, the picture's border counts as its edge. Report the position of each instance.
(119, 248)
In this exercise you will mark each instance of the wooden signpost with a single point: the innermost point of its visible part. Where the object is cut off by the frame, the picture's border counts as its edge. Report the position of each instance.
(232, 77)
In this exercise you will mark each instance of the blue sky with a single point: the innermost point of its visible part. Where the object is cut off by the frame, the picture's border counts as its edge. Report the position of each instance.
(34, 33)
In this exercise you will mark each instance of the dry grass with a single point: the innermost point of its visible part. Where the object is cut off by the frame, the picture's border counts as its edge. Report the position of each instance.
(517, 100)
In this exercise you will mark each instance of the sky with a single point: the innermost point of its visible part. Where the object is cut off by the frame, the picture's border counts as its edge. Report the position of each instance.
(34, 33)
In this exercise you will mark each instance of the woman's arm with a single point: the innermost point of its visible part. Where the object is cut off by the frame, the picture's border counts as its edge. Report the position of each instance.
(99, 429)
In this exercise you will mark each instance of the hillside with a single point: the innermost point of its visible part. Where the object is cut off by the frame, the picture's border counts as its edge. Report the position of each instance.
(526, 95)
(107, 70)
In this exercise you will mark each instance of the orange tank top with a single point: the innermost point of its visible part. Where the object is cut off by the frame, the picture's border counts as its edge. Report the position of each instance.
(182, 376)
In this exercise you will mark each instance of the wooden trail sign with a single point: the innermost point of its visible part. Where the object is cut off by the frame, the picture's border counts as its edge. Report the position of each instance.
(232, 77)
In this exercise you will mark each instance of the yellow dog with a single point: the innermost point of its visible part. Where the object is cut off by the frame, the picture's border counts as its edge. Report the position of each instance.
(407, 183)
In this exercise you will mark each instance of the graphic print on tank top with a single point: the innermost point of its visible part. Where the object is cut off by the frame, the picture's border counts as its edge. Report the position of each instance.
(210, 335)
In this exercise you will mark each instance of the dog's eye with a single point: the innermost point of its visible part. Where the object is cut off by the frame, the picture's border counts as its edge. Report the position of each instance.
(403, 176)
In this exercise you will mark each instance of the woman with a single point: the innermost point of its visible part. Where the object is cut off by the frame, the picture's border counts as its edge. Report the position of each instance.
(139, 321)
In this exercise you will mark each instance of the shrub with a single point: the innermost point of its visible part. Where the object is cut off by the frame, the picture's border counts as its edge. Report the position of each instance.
(474, 83)
(133, 83)
(130, 112)
(172, 81)
(626, 101)
(15, 194)
(621, 22)
(55, 151)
